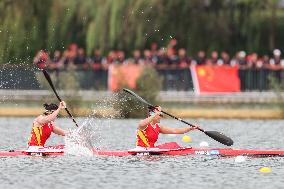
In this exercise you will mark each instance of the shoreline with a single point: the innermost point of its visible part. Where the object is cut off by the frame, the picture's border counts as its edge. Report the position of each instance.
(179, 112)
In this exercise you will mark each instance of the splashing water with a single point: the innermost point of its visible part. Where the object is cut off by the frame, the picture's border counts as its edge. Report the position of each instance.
(83, 140)
(78, 142)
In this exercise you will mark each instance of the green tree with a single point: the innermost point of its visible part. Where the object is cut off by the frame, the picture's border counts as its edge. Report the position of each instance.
(29, 25)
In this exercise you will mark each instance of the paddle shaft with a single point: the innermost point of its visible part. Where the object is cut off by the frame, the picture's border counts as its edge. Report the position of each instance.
(152, 106)
(56, 94)
(179, 119)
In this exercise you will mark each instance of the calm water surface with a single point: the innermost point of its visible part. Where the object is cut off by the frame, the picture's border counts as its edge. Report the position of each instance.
(144, 172)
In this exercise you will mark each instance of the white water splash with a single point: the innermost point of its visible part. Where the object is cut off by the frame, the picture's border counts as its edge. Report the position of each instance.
(78, 142)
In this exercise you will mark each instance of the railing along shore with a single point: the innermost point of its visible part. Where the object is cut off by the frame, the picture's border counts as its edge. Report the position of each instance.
(164, 96)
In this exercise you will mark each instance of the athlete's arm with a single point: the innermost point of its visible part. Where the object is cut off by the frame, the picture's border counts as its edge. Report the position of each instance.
(45, 119)
(168, 130)
(58, 131)
(144, 123)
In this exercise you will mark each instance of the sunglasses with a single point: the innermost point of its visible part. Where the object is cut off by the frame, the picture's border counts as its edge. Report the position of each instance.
(49, 111)
(160, 114)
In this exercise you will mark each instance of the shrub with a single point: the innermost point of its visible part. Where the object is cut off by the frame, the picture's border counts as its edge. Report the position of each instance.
(148, 86)
(278, 87)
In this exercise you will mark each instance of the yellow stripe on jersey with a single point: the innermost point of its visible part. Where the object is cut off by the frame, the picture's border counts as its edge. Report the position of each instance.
(38, 132)
(143, 138)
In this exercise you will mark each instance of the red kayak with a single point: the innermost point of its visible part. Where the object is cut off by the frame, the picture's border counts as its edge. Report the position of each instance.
(166, 149)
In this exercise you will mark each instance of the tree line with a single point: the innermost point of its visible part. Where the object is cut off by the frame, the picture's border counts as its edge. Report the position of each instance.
(27, 26)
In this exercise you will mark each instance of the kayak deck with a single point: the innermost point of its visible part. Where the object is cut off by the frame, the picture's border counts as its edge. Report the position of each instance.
(225, 152)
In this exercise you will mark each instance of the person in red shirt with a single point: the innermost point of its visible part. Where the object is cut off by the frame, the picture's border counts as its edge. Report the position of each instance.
(43, 126)
(149, 129)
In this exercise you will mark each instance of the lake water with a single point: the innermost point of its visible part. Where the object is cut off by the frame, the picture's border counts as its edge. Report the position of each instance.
(154, 172)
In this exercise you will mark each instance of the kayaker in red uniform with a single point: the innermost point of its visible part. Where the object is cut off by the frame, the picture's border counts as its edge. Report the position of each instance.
(43, 126)
(149, 129)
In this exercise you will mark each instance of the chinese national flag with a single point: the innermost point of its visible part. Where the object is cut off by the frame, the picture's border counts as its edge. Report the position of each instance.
(215, 79)
(123, 75)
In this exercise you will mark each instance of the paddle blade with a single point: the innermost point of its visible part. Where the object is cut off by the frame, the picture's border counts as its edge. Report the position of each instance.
(220, 137)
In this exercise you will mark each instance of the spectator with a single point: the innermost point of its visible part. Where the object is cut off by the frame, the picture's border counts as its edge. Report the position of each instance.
(96, 60)
(259, 63)
(80, 60)
(183, 60)
(99, 66)
(276, 62)
(73, 47)
(112, 58)
(56, 62)
(201, 58)
(183, 75)
(252, 60)
(154, 49)
(65, 58)
(161, 59)
(72, 53)
(148, 59)
(214, 58)
(240, 60)
(225, 58)
(172, 58)
(137, 59)
(265, 60)
(172, 44)
(69, 55)
(120, 56)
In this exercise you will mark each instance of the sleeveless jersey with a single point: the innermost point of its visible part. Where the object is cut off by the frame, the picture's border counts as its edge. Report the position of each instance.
(39, 135)
(148, 137)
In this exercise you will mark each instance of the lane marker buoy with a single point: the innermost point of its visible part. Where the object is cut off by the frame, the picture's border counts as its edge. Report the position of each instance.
(265, 170)
(186, 138)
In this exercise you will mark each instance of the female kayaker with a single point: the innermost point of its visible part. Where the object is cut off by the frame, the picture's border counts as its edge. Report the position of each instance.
(149, 129)
(43, 126)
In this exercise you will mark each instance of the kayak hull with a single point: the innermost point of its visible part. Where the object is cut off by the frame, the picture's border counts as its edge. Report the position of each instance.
(225, 152)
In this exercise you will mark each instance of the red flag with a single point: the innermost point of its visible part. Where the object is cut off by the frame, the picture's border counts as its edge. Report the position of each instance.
(215, 79)
(123, 75)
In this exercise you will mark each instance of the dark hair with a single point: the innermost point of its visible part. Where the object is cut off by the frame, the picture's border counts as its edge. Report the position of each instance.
(50, 106)
(151, 109)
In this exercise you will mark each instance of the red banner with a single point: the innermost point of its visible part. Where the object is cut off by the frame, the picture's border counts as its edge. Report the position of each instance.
(215, 79)
(123, 75)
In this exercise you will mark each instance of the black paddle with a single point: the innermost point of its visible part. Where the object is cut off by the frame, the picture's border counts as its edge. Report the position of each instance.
(220, 137)
(46, 75)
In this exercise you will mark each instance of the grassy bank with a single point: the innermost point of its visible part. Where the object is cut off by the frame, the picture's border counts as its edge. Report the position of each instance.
(183, 113)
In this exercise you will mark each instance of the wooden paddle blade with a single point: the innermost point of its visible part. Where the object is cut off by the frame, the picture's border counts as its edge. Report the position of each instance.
(220, 137)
